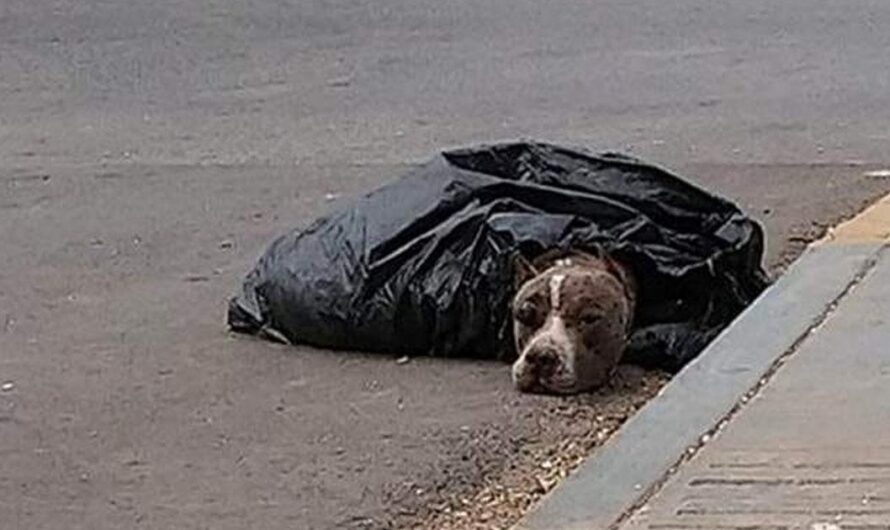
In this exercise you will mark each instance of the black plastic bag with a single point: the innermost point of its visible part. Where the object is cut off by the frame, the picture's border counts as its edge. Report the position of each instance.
(424, 265)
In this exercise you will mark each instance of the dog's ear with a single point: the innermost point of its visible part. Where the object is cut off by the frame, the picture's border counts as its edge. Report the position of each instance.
(627, 278)
(523, 271)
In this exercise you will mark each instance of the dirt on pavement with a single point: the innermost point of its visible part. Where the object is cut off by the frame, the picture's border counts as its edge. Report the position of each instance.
(129, 405)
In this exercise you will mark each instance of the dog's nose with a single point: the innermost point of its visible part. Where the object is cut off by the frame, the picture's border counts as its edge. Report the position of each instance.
(543, 359)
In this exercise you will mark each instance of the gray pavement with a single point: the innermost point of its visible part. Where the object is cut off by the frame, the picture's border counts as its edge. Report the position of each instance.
(149, 150)
(810, 451)
(322, 81)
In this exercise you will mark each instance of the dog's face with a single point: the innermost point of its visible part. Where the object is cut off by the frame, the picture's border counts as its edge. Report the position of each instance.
(570, 326)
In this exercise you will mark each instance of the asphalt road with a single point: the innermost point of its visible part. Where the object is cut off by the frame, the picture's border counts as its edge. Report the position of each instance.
(150, 150)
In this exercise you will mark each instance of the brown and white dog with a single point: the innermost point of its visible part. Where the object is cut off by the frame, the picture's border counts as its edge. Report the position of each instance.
(571, 320)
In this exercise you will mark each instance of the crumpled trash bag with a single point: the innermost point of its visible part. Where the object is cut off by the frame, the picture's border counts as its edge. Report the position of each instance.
(425, 264)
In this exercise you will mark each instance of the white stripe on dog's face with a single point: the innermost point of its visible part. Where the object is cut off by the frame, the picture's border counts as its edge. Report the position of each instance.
(552, 336)
(556, 331)
(555, 290)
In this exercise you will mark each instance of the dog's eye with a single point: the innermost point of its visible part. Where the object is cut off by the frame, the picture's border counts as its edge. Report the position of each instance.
(591, 318)
(527, 315)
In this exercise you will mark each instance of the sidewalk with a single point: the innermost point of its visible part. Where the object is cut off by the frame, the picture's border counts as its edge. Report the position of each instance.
(783, 423)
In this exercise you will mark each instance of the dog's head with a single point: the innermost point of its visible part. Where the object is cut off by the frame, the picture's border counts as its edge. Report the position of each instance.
(570, 323)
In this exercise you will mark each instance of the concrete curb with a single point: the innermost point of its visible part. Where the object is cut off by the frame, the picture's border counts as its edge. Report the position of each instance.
(643, 452)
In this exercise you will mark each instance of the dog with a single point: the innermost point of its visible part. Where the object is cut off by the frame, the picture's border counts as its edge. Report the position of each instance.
(572, 314)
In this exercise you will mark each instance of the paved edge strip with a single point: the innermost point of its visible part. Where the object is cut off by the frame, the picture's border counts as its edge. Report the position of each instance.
(873, 224)
(643, 451)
